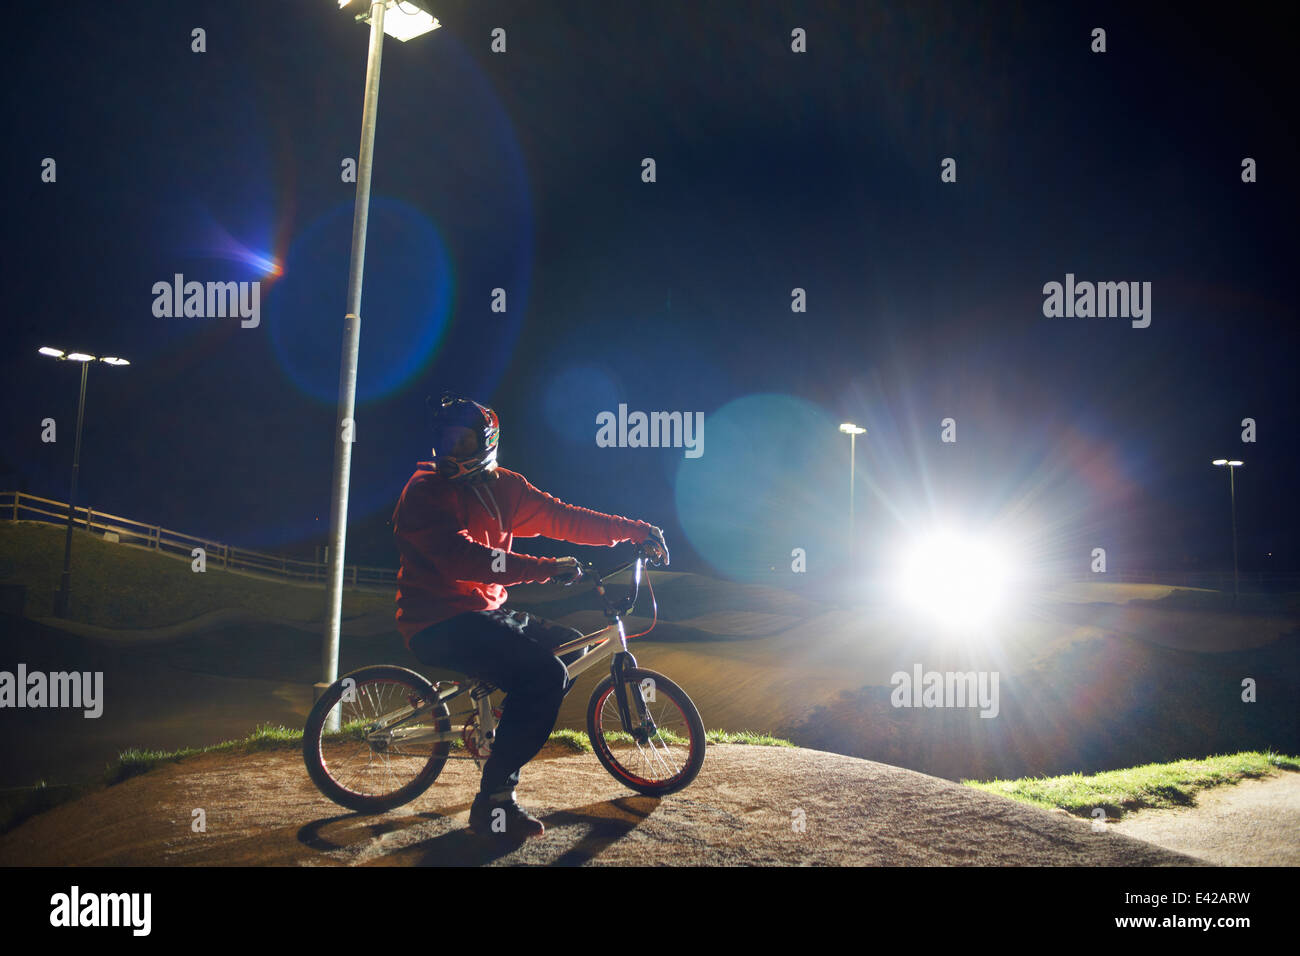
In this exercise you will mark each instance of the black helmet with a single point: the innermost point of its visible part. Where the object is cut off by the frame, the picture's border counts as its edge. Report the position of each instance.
(464, 436)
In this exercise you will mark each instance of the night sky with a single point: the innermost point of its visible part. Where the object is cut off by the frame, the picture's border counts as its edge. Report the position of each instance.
(775, 170)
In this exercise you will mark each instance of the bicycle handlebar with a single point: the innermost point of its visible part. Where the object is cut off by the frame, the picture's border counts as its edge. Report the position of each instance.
(622, 607)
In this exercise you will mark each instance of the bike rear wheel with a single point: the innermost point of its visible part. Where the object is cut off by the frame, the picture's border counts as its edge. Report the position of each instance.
(371, 770)
(655, 762)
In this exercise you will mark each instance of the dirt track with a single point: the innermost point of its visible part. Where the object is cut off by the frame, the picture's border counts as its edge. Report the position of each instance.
(1252, 823)
(262, 810)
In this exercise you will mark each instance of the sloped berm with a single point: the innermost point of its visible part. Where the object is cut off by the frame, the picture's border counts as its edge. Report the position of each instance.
(750, 805)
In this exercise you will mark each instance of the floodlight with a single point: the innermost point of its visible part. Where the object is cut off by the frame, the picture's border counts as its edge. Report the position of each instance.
(403, 20)
(958, 581)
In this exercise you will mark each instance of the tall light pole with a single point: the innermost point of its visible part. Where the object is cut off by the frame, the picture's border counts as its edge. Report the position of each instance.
(1233, 465)
(65, 581)
(402, 23)
(853, 431)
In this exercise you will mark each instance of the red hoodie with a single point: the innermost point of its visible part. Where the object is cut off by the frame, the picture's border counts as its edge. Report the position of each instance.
(446, 532)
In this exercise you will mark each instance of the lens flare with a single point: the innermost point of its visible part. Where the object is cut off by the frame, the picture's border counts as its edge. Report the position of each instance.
(956, 580)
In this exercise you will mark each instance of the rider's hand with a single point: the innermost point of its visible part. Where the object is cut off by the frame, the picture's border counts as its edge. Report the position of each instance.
(570, 570)
(656, 549)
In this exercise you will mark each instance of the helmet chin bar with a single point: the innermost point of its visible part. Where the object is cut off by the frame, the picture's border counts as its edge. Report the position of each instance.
(456, 469)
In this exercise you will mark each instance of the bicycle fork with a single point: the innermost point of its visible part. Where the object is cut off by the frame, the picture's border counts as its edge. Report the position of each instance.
(639, 725)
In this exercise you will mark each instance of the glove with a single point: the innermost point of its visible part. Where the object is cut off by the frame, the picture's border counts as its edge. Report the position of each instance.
(655, 548)
(569, 571)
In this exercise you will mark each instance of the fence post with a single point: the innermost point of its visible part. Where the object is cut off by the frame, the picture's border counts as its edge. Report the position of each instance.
(317, 570)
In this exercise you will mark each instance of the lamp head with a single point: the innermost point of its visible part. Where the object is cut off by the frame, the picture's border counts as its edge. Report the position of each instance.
(404, 19)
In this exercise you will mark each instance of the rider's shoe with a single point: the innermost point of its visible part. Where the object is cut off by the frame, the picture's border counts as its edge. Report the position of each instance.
(513, 823)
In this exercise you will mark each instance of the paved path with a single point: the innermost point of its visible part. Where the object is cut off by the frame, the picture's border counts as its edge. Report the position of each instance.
(1252, 823)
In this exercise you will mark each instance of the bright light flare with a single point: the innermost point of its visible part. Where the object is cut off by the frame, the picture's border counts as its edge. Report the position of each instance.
(263, 264)
(958, 581)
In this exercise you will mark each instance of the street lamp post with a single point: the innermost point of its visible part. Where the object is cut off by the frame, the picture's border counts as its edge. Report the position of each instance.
(65, 581)
(853, 431)
(1233, 465)
(403, 24)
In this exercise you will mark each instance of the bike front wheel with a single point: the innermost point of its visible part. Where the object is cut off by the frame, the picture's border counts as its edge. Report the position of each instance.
(665, 748)
(358, 763)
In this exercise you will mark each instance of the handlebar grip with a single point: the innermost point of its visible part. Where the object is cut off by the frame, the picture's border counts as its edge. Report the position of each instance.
(642, 550)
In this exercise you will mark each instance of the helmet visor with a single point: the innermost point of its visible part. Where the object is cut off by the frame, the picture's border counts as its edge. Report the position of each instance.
(455, 441)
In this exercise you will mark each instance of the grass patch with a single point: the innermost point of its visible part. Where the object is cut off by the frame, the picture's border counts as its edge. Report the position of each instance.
(115, 585)
(575, 740)
(1155, 785)
(746, 737)
(710, 736)
(133, 763)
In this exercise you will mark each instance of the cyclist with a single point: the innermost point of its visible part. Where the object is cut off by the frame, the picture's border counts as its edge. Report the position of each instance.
(454, 525)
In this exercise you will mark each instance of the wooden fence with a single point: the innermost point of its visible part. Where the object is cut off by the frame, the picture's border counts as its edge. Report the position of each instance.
(19, 506)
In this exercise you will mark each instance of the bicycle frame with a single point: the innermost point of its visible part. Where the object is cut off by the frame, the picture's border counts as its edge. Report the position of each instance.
(602, 645)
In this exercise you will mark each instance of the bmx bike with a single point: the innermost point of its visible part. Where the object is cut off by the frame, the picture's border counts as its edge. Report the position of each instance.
(379, 736)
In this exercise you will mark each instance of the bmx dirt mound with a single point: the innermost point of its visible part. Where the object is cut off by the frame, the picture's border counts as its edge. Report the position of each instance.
(749, 806)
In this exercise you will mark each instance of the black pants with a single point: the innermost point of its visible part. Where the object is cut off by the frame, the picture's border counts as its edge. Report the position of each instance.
(512, 650)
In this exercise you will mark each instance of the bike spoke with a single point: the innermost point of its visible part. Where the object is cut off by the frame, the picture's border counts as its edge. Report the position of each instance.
(387, 760)
(656, 760)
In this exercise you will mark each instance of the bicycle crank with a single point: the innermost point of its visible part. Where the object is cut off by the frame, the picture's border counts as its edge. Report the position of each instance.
(470, 737)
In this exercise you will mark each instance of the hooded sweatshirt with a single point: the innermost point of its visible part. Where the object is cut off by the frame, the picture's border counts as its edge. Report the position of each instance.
(451, 534)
